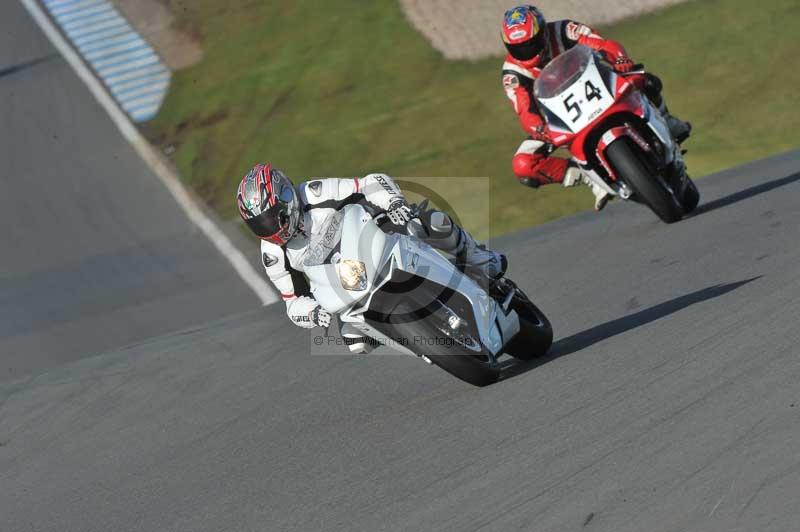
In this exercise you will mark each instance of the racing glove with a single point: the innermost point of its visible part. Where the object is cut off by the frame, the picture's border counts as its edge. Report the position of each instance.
(399, 213)
(306, 313)
(623, 64)
(320, 317)
(540, 133)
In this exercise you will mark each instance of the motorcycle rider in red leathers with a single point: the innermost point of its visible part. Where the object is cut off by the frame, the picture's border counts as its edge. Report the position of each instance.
(289, 218)
(532, 43)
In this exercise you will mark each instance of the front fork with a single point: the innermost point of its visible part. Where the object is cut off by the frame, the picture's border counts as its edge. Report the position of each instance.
(667, 157)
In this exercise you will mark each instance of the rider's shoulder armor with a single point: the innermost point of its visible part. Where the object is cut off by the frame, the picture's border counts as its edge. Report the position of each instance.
(317, 191)
(326, 192)
(564, 34)
(516, 74)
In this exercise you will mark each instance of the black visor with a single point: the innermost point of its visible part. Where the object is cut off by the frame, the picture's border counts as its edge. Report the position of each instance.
(270, 222)
(525, 51)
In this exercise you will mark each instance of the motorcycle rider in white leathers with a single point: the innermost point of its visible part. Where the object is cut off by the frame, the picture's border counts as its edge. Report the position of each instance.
(286, 218)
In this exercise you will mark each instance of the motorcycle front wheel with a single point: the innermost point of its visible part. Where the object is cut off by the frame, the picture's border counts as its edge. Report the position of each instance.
(691, 197)
(647, 186)
(470, 364)
(535, 334)
(477, 370)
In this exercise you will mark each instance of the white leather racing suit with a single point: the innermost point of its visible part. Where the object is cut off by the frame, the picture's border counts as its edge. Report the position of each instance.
(320, 199)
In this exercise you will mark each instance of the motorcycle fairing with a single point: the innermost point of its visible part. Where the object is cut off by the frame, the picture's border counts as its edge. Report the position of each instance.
(384, 254)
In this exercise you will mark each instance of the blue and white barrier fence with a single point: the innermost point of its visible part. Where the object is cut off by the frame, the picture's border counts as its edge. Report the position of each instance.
(130, 69)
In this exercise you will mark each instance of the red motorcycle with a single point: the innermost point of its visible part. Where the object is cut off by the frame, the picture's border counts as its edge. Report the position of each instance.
(617, 136)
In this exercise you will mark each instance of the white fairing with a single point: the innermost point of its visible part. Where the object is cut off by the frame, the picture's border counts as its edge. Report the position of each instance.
(579, 103)
(382, 254)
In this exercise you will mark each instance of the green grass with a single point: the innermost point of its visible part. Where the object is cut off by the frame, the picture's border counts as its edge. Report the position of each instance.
(348, 87)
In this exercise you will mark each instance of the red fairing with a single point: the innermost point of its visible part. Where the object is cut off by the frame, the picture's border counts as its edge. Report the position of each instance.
(610, 136)
(637, 80)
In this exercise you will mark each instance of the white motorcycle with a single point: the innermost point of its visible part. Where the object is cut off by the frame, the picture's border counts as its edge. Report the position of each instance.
(401, 292)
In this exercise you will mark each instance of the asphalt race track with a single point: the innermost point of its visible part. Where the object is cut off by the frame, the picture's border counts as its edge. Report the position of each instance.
(670, 401)
(95, 253)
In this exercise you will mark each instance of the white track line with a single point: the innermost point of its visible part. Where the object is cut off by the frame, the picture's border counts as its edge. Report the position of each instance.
(243, 267)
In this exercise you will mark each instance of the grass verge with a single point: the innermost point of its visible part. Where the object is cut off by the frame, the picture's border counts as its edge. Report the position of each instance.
(346, 88)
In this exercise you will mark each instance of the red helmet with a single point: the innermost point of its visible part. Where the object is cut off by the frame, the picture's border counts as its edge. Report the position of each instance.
(524, 32)
(268, 204)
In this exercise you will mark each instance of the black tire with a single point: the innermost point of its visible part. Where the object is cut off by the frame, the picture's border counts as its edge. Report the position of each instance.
(535, 331)
(470, 366)
(647, 186)
(691, 196)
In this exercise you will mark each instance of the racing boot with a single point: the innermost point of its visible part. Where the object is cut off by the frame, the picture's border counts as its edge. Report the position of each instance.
(481, 263)
(437, 229)
(653, 88)
(575, 176)
(679, 129)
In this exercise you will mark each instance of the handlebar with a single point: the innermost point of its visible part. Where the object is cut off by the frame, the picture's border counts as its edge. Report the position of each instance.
(638, 68)
(381, 219)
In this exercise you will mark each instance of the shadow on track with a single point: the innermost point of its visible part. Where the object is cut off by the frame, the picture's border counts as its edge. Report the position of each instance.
(746, 193)
(598, 333)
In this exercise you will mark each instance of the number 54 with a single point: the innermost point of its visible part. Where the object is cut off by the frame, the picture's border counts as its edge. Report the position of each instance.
(592, 93)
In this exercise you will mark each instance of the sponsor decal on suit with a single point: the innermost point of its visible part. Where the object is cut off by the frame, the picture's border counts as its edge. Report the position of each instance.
(269, 260)
(385, 184)
(510, 81)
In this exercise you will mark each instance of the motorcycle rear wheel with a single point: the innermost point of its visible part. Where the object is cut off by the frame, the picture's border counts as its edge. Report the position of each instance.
(647, 186)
